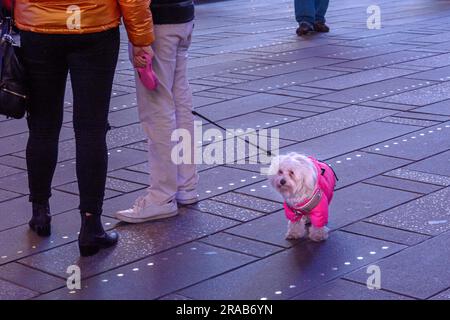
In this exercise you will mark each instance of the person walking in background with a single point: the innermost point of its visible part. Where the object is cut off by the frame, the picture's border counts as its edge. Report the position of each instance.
(164, 110)
(310, 15)
(80, 37)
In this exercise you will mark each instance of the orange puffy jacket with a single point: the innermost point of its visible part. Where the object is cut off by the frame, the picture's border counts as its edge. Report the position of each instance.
(86, 16)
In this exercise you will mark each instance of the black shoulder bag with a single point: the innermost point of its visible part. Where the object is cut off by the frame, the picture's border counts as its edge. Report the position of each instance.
(13, 88)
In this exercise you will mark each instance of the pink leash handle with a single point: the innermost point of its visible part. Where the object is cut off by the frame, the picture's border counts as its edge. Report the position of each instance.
(147, 75)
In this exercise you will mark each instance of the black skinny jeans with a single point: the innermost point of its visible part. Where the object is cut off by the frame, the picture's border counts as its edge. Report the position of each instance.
(91, 60)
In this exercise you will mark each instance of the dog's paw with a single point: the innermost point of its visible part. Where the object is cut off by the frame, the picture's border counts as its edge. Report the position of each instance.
(296, 230)
(293, 236)
(318, 234)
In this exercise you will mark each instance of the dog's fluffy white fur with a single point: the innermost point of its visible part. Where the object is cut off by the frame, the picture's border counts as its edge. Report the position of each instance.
(294, 176)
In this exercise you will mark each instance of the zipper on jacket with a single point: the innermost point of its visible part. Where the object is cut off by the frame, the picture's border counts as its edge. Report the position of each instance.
(15, 93)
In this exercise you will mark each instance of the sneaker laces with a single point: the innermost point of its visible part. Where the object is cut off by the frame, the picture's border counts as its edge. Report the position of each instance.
(139, 204)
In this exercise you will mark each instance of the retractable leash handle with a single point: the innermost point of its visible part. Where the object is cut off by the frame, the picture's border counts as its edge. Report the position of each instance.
(147, 75)
(195, 113)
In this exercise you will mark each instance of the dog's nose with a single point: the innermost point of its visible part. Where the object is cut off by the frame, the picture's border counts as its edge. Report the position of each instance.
(282, 182)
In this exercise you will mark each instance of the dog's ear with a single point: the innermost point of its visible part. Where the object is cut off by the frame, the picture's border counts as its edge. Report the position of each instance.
(309, 180)
(275, 165)
(308, 174)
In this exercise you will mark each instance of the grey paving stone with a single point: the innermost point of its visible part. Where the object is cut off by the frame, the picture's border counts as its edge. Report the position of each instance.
(171, 270)
(385, 59)
(428, 215)
(242, 245)
(302, 88)
(438, 74)
(325, 104)
(434, 179)
(345, 290)
(200, 68)
(423, 96)
(248, 202)
(357, 166)
(227, 210)
(12, 127)
(270, 229)
(7, 195)
(261, 190)
(136, 242)
(13, 143)
(434, 61)
(402, 184)
(439, 164)
(412, 114)
(289, 112)
(73, 189)
(305, 266)
(125, 135)
(336, 120)
(412, 122)
(385, 105)
(296, 94)
(354, 138)
(416, 145)
(402, 272)
(204, 101)
(18, 211)
(129, 175)
(17, 143)
(386, 233)
(376, 90)
(65, 171)
(305, 107)
(360, 201)
(123, 117)
(255, 120)
(20, 242)
(218, 95)
(174, 297)
(13, 162)
(359, 78)
(442, 296)
(230, 179)
(353, 53)
(122, 185)
(232, 108)
(285, 80)
(288, 67)
(442, 108)
(10, 291)
(241, 93)
(30, 278)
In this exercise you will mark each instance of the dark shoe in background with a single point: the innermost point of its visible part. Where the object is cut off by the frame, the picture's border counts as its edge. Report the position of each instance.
(304, 28)
(93, 237)
(321, 27)
(41, 220)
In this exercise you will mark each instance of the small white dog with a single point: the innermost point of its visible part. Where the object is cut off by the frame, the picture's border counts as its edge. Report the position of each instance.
(307, 187)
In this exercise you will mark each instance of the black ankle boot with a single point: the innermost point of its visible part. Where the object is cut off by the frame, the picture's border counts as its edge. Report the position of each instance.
(93, 237)
(40, 222)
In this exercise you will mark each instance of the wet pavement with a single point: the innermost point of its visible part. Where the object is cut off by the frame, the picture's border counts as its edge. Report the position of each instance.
(375, 104)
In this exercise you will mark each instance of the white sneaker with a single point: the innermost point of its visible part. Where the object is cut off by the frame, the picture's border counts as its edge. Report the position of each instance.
(143, 211)
(185, 197)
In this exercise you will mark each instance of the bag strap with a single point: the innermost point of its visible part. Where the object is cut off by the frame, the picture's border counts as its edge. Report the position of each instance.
(13, 5)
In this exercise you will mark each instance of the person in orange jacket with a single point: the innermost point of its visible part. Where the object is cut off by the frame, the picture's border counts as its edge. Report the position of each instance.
(80, 38)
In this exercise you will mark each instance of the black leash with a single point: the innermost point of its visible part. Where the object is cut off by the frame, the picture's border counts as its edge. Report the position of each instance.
(195, 113)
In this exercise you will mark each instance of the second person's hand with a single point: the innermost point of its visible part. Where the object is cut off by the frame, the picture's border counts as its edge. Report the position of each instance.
(139, 60)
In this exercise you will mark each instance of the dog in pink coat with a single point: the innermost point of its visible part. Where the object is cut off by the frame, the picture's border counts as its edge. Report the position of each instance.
(307, 186)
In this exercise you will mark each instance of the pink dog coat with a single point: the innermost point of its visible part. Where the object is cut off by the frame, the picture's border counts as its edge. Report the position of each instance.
(315, 207)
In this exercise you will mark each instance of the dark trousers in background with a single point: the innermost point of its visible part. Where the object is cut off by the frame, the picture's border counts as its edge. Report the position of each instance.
(311, 10)
(91, 60)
